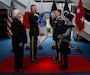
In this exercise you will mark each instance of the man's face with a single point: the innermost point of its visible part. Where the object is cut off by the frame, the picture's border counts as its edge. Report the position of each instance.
(66, 19)
(34, 9)
(57, 13)
(19, 15)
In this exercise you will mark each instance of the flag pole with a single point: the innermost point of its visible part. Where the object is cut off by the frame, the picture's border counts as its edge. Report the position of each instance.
(26, 23)
(42, 26)
(79, 20)
(40, 44)
(53, 8)
(78, 37)
(77, 48)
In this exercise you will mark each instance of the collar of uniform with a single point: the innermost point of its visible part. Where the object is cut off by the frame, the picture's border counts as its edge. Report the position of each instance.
(33, 13)
(69, 23)
(16, 18)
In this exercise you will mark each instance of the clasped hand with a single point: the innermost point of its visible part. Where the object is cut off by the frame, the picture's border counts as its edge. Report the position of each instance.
(20, 44)
(58, 37)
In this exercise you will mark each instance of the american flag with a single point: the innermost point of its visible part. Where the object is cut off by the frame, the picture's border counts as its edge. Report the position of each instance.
(9, 20)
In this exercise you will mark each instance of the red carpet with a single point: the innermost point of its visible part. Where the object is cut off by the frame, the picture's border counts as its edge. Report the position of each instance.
(46, 65)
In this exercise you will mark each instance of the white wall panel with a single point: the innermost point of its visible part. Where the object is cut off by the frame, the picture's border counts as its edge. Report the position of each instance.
(7, 2)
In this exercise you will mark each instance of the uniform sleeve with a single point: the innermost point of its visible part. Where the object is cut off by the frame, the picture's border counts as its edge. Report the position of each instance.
(52, 24)
(14, 29)
(17, 31)
(74, 32)
(61, 28)
(66, 34)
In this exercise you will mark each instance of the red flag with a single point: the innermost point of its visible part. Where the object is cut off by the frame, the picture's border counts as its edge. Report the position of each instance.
(80, 16)
(26, 21)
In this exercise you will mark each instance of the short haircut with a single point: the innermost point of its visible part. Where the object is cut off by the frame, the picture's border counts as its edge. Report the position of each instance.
(32, 6)
(59, 11)
(15, 12)
(69, 16)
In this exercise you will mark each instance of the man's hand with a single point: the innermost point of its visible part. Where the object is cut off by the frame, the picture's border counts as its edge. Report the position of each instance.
(58, 37)
(20, 44)
(70, 44)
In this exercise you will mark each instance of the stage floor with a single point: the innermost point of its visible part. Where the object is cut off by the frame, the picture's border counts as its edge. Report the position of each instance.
(6, 48)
